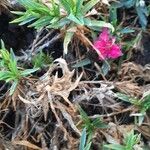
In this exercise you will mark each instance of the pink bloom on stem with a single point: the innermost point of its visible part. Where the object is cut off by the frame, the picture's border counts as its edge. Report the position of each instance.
(105, 44)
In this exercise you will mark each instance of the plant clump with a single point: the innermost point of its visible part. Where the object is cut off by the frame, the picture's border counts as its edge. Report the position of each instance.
(75, 82)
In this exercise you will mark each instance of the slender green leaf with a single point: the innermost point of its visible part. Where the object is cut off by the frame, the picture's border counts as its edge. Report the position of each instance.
(75, 19)
(82, 140)
(67, 40)
(2, 44)
(142, 14)
(82, 63)
(88, 146)
(84, 116)
(13, 87)
(97, 123)
(115, 147)
(13, 67)
(105, 68)
(89, 5)
(18, 13)
(28, 71)
(123, 97)
(94, 23)
(42, 22)
(4, 75)
(67, 5)
(79, 4)
(25, 21)
(126, 30)
(59, 24)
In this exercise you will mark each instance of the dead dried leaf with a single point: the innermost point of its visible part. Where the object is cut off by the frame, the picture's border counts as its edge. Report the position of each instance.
(68, 117)
(129, 88)
(26, 144)
(106, 2)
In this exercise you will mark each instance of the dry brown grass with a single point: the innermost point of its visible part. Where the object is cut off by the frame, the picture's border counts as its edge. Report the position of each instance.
(4, 5)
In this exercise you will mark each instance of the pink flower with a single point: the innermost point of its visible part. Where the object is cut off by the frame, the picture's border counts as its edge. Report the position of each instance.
(105, 44)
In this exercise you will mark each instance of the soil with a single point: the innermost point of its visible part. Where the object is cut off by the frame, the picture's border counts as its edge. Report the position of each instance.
(142, 55)
(14, 36)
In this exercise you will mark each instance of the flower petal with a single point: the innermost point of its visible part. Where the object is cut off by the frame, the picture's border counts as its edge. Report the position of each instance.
(106, 45)
(114, 52)
(104, 36)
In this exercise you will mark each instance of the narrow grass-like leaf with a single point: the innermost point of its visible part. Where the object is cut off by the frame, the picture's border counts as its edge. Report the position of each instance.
(105, 68)
(123, 97)
(67, 5)
(67, 40)
(126, 30)
(82, 140)
(99, 124)
(115, 147)
(28, 71)
(42, 22)
(84, 116)
(89, 5)
(13, 87)
(79, 4)
(4, 75)
(94, 23)
(18, 13)
(59, 24)
(82, 63)
(75, 19)
(30, 19)
(88, 146)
